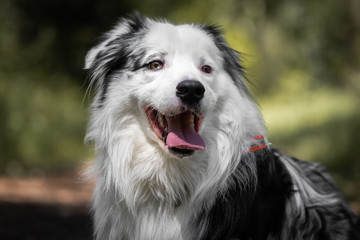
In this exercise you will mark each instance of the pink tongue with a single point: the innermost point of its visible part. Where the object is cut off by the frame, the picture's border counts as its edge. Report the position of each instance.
(182, 134)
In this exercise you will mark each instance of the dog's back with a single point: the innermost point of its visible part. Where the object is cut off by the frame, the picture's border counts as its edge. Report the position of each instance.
(293, 200)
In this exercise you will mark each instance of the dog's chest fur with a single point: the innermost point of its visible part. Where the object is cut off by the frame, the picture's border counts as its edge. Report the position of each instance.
(248, 210)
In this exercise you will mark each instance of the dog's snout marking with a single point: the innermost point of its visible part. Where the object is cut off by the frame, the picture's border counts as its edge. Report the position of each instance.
(190, 91)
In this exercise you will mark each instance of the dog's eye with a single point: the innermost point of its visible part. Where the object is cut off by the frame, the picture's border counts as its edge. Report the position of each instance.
(155, 65)
(206, 69)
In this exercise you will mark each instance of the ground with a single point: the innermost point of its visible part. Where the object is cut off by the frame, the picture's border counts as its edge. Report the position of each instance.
(46, 207)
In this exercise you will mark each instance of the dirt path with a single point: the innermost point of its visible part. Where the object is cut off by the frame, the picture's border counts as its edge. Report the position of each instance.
(45, 208)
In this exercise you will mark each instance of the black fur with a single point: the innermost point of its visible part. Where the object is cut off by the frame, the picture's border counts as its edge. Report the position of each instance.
(256, 212)
(260, 212)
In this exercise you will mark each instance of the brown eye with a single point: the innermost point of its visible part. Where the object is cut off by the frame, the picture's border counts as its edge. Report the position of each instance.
(206, 69)
(155, 65)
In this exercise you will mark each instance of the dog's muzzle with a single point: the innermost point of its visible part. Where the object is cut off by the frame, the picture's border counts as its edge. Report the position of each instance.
(179, 132)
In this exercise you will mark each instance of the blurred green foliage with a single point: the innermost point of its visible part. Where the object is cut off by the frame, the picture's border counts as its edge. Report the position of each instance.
(302, 56)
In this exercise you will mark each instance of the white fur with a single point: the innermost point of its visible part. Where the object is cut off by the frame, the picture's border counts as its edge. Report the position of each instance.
(142, 190)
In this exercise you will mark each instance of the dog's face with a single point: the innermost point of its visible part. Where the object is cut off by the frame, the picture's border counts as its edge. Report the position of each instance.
(172, 79)
(180, 67)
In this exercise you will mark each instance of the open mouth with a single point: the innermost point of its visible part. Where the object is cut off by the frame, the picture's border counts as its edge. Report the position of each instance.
(179, 133)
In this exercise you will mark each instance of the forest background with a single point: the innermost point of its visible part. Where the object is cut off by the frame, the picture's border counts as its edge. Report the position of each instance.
(303, 58)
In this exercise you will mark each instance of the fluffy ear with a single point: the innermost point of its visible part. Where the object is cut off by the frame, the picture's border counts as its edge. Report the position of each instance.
(109, 42)
(114, 51)
(232, 60)
(125, 26)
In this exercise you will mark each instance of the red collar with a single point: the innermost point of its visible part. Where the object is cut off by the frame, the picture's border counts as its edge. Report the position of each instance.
(259, 145)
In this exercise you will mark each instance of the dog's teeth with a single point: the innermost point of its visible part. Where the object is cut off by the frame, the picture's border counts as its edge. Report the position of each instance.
(192, 119)
(160, 121)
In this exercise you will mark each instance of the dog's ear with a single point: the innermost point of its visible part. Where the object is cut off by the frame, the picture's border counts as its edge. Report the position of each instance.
(120, 34)
(114, 50)
(232, 60)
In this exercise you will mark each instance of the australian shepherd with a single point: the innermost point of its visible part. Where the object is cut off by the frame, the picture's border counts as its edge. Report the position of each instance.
(181, 146)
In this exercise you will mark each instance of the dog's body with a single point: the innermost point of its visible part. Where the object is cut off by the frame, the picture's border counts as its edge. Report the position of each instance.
(181, 152)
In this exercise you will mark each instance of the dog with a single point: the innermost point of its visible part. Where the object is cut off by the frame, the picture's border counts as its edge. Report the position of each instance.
(181, 146)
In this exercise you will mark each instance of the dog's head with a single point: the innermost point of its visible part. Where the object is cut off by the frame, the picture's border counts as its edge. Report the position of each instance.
(177, 82)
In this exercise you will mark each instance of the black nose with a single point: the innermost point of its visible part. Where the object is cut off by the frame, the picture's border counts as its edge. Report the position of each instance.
(190, 91)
